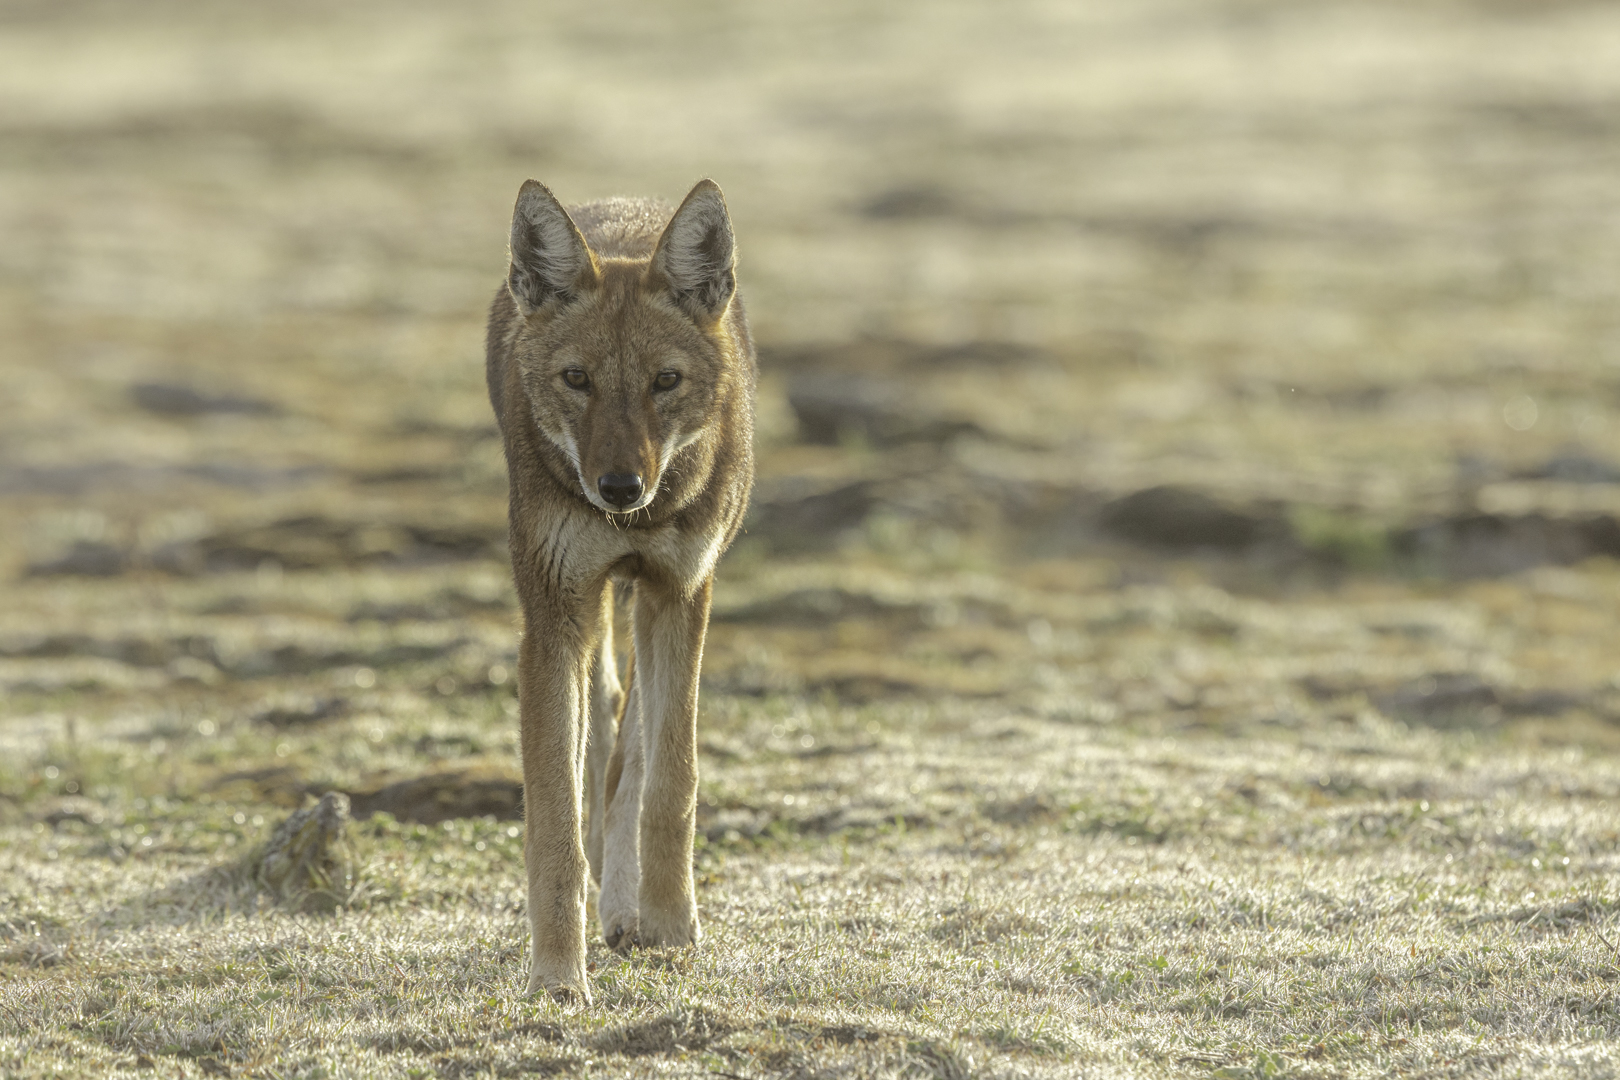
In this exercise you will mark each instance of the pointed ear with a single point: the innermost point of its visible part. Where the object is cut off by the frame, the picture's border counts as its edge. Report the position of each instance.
(549, 257)
(696, 255)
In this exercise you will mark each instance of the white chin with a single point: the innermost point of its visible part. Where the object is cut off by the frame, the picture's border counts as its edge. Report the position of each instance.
(606, 508)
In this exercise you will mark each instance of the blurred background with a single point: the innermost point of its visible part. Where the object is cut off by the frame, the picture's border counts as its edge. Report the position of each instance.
(1305, 301)
(1177, 622)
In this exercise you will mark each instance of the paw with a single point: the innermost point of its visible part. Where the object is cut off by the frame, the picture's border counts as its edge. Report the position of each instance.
(565, 983)
(669, 928)
(621, 929)
(619, 911)
(562, 993)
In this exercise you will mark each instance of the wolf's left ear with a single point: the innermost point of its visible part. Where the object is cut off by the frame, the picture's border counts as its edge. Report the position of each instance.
(696, 254)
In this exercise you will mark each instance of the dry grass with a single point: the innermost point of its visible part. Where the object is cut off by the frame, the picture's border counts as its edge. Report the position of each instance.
(1158, 848)
(999, 777)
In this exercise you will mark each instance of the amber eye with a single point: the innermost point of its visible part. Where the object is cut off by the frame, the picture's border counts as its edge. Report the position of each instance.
(666, 380)
(576, 378)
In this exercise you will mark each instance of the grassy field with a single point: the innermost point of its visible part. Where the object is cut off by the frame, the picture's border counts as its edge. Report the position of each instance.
(1177, 633)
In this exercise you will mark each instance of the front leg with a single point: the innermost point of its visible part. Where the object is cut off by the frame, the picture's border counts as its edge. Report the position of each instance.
(669, 633)
(552, 669)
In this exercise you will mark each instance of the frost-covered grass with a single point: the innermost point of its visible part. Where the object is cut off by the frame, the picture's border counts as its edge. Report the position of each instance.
(1251, 881)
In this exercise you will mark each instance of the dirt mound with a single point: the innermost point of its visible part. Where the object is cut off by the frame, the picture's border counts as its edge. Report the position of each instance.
(306, 542)
(440, 796)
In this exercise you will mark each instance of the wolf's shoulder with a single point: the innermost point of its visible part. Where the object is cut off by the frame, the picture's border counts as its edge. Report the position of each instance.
(622, 228)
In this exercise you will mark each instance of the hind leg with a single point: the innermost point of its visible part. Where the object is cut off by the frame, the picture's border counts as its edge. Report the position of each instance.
(619, 905)
(606, 699)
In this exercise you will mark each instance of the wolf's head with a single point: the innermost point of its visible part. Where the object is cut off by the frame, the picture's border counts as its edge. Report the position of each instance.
(624, 360)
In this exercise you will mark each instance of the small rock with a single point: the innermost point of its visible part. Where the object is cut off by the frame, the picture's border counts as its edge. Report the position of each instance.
(308, 862)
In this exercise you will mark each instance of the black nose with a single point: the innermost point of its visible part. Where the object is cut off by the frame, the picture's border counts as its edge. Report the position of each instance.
(620, 489)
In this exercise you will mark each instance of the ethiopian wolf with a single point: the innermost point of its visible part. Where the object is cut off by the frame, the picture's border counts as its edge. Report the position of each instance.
(622, 374)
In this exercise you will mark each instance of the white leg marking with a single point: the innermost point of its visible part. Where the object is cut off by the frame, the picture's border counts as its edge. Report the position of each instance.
(619, 903)
(605, 696)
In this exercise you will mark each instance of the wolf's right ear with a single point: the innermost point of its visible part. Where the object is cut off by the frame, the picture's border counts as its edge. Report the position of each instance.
(549, 257)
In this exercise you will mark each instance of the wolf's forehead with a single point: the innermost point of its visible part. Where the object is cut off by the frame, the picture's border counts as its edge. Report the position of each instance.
(634, 334)
(634, 324)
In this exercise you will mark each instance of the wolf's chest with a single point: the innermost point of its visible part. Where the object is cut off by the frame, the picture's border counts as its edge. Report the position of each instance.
(575, 551)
